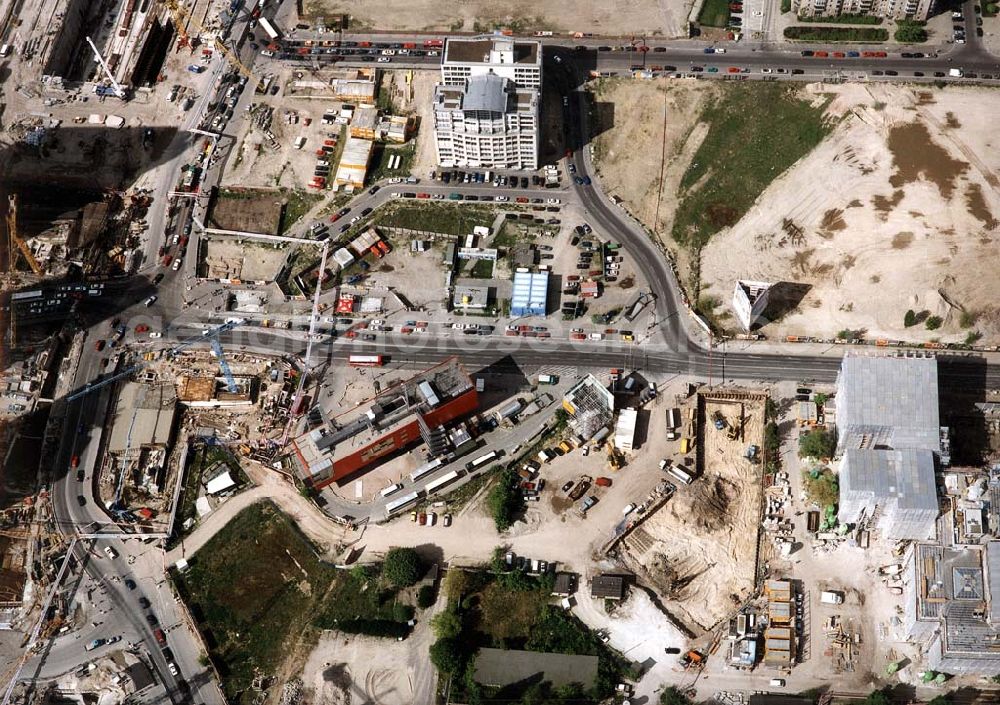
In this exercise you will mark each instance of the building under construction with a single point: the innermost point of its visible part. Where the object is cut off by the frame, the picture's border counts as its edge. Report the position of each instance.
(133, 40)
(399, 417)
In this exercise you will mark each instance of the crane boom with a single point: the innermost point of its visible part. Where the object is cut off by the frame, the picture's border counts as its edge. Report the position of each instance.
(16, 237)
(213, 333)
(228, 373)
(119, 89)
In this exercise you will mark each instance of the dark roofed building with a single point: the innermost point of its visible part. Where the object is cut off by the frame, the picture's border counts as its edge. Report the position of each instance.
(608, 587)
(565, 584)
(501, 667)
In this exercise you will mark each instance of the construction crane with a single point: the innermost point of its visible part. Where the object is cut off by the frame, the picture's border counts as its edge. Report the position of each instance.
(180, 14)
(120, 91)
(226, 371)
(210, 335)
(17, 241)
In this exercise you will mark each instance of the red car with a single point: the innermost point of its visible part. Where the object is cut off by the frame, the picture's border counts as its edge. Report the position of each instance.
(821, 55)
(74, 462)
(141, 328)
(335, 217)
(423, 195)
(161, 638)
(99, 345)
(166, 260)
(733, 69)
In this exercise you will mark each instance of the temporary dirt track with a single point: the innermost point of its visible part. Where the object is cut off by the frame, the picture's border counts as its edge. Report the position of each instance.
(699, 549)
(895, 210)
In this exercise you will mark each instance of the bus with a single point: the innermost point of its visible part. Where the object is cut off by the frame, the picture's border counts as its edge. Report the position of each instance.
(269, 29)
(401, 503)
(426, 469)
(481, 461)
(365, 361)
(441, 482)
(391, 489)
(680, 474)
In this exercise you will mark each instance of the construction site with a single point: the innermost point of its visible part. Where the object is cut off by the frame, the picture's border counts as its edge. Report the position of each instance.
(699, 549)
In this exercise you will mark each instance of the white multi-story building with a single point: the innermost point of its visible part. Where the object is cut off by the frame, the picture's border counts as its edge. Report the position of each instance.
(895, 9)
(518, 61)
(487, 104)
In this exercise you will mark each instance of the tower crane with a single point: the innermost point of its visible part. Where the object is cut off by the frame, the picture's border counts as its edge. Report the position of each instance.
(181, 14)
(17, 240)
(211, 335)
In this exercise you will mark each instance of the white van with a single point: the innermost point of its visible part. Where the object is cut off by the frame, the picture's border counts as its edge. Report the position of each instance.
(112, 553)
(390, 489)
(777, 682)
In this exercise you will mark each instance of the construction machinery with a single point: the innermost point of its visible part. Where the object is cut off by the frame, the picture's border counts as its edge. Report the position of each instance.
(718, 419)
(181, 15)
(17, 241)
(614, 457)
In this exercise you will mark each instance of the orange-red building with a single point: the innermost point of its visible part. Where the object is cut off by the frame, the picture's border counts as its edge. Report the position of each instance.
(399, 417)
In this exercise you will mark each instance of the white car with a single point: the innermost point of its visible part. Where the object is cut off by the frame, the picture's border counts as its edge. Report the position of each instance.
(629, 508)
(431, 518)
(150, 301)
(177, 238)
(388, 52)
(176, 265)
(384, 59)
(553, 201)
(154, 334)
(501, 199)
(172, 667)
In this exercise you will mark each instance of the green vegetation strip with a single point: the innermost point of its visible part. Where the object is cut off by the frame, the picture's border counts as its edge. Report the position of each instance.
(436, 217)
(837, 34)
(842, 19)
(257, 590)
(299, 203)
(755, 133)
(714, 13)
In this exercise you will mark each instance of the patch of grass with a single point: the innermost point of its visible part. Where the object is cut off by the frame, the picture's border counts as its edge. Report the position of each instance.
(740, 157)
(714, 13)
(821, 487)
(482, 269)
(436, 217)
(968, 319)
(384, 153)
(973, 337)
(786, 6)
(842, 19)
(934, 322)
(299, 203)
(257, 590)
(253, 589)
(836, 34)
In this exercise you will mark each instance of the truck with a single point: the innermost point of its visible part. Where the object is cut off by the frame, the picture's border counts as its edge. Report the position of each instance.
(956, 73)
(300, 142)
(548, 379)
(588, 503)
(565, 447)
(90, 646)
(828, 597)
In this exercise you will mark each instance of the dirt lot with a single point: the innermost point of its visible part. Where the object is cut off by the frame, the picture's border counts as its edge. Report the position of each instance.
(227, 259)
(252, 211)
(668, 19)
(698, 550)
(915, 187)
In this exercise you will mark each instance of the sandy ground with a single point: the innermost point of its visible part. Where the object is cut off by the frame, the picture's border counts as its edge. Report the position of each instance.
(699, 549)
(903, 218)
(665, 18)
(649, 132)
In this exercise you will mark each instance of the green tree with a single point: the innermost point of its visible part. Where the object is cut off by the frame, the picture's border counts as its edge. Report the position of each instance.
(910, 319)
(505, 500)
(401, 567)
(672, 696)
(770, 409)
(446, 625)
(772, 438)
(402, 612)
(909, 32)
(448, 655)
(816, 444)
(425, 597)
(877, 697)
(820, 398)
(933, 323)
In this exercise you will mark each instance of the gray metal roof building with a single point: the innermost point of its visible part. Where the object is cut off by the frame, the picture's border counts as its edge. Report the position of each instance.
(890, 438)
(900, 482)
(888, 402)
(500, 667)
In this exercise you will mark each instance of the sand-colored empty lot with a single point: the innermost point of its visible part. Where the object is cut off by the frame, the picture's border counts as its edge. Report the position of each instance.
(895, 210)
(665, 18)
